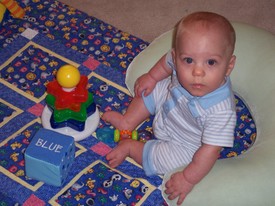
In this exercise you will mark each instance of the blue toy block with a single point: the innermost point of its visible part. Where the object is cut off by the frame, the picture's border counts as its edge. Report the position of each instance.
(49, 157)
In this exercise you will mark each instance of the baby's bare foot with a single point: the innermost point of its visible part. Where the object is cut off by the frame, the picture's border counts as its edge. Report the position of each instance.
(114, 118)
(118, 154)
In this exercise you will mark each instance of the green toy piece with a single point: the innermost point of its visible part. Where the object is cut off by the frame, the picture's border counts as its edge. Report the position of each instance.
(125, 134)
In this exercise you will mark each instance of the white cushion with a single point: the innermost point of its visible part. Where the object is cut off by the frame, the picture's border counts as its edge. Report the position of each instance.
(250, 178)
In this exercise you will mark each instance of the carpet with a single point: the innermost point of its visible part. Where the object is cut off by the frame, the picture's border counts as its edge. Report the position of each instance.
(27, 65)
(76, 30)
(51, 35)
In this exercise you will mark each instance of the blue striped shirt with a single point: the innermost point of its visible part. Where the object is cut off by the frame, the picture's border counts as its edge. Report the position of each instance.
(183, 122)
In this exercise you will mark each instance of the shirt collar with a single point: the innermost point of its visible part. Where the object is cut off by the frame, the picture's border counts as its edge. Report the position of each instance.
(208, 100)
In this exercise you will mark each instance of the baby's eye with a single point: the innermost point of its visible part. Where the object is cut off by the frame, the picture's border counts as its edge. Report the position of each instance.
(211, 62)
(188, 60)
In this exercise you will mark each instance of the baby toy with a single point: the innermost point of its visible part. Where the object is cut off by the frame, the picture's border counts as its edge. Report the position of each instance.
(2, 12)
(13, 7)
(142, 135)
(105, 134)
(125, 134)
(109, 135)
(49, 157)
(69, 104)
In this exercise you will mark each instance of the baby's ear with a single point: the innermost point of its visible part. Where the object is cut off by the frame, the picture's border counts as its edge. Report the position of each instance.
(231, 65)
(173, 55)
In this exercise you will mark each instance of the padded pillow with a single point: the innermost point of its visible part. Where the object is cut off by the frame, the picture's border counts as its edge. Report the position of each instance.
(252, 173)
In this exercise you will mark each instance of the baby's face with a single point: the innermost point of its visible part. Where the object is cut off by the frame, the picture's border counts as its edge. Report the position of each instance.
(202, 60)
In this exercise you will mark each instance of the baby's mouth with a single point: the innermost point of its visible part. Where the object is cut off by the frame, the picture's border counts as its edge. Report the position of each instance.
(197, 85)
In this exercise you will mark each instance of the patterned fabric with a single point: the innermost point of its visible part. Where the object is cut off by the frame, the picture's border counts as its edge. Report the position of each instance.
(22, 101)
(75, 30)
(5, 111)
(245, 131)
(99, 185)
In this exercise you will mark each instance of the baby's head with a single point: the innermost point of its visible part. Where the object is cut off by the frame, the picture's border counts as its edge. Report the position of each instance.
(203, 52)
(211, 22)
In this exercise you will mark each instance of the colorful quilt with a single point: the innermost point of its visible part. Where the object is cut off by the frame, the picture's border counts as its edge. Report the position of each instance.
(31, 50)
(76, 30)
(26, 66)
(53, 35)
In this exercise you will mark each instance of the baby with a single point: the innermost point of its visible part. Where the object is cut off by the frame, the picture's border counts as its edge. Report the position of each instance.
(189, 92)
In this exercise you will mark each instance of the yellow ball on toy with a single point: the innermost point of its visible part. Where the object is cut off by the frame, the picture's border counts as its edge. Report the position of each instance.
(68, 76)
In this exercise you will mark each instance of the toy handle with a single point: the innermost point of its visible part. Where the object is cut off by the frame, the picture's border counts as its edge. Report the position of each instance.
(14, 8)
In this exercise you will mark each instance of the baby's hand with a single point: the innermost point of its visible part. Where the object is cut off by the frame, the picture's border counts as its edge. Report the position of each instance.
(178, 186)
(144, 83)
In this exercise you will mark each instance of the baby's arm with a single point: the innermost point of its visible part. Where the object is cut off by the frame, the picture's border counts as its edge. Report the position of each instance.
(148, 81)
(181, 183)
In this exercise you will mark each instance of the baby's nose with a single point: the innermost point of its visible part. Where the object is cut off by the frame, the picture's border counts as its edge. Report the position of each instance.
(198, 70)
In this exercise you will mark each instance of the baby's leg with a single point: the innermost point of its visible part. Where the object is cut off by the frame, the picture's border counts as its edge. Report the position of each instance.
(126, 148)
(114, 118)
(136, 113)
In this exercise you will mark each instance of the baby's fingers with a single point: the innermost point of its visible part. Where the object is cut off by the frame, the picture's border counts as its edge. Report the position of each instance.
(170, 191)
(175, 194)
(141, 90)
(138, 92)
(172, 196)
(181, 198)
(147, 91)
